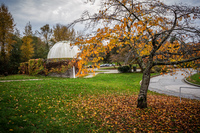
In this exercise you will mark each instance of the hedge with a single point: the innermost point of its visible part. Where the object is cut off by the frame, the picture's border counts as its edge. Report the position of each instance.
(41, 66)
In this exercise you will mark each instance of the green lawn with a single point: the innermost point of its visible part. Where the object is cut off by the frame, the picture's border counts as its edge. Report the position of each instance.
(104, 103)
(194, 79)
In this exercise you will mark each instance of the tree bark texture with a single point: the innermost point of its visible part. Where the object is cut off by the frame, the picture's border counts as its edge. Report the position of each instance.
(142, 97)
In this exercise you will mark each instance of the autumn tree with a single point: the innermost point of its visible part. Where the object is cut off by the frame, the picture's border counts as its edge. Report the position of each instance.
(62, 33)
(27, 48)
(46, 33)
(146, 27)
(28, 30)
(6, 32)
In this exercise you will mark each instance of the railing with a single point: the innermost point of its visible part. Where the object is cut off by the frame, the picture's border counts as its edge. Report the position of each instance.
(188, 88)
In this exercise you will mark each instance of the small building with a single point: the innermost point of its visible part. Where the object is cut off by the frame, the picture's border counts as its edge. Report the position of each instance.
(62, 51)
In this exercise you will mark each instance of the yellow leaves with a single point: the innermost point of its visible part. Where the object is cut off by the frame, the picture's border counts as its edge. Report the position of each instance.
(124, 20)
(160, 19)
(152, 7)
(144, 49)
(194, 16)
(187, 16)
(135, 24)
(96, 59)
(27, 48)
(140, 23)
(180, 19)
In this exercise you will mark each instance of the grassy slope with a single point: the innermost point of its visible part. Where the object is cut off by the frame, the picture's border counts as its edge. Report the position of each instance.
(86, 105)
(194, 78)
(27, 104)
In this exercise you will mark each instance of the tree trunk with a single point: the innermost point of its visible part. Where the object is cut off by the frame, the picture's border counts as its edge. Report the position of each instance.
(3, 53)
(142, 97)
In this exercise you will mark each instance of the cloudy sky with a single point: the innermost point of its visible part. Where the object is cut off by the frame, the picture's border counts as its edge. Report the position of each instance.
(41, 12)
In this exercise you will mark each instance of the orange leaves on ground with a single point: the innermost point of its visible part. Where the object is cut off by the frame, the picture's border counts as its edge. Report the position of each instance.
(119, 113)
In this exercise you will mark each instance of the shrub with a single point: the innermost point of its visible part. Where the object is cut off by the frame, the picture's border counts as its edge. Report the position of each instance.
(58, 67)
(35, 66)
(124, 69)
(23, 68)
(40, 66)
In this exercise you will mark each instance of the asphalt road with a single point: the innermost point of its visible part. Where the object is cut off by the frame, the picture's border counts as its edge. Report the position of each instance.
(170, 84)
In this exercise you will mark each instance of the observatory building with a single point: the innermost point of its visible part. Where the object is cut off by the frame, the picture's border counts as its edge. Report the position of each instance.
(60, 53)
(63, 50)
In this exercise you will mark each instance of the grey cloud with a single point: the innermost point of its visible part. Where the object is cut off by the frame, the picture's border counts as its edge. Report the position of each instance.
(41, 12)
(46, 12)
(188, 2)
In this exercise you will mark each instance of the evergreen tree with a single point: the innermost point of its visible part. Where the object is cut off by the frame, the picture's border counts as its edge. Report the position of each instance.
(6, 30)
(15, 55)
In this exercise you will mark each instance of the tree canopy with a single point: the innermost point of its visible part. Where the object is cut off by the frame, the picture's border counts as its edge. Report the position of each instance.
(6, 30)
(156, 34)
(27, 45)
(61, 33)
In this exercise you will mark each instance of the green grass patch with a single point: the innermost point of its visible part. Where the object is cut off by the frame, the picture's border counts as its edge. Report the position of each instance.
(104, 103)
(46, 105)
(194, 79)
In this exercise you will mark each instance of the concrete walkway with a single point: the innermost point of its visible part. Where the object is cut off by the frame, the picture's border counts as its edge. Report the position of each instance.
(170, 84)
(90, 75)
(19, 80)
(104, 71)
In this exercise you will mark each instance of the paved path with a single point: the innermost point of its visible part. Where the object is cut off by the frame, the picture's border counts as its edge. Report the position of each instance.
(104, 71)
(19, 80)
(90, 75)
(169, 84)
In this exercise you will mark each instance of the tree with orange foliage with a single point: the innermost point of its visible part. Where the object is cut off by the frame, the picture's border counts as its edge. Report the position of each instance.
(147, 27)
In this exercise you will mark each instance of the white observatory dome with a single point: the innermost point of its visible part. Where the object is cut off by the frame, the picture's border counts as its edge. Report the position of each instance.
(63, 49)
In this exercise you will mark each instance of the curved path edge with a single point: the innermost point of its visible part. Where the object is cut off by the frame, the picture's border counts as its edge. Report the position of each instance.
(190, 83)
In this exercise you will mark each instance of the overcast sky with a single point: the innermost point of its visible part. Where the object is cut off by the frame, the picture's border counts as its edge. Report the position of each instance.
(41, 12)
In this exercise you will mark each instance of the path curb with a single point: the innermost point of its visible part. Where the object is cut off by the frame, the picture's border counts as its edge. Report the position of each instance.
(186, 81)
